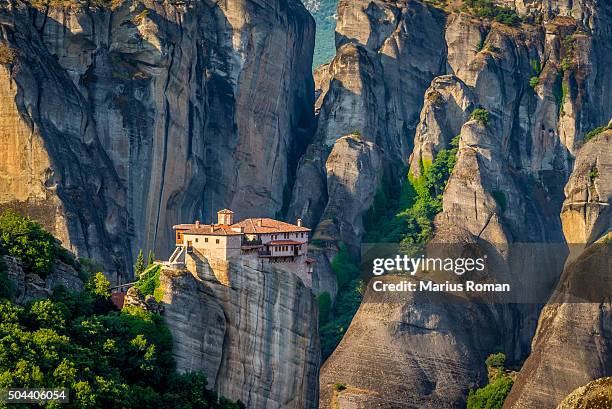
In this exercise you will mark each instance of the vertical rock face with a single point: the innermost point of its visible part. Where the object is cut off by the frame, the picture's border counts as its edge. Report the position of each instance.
(120, 121)
(573, 343)
(387, 54)
(541, 85)
(255, 338)
(586, 213)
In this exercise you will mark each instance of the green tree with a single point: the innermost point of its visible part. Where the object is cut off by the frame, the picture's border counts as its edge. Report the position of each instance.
(99, 285)
(491, 396)
(595, 132)
(496, 360)
(26, 240)
(139, 267)
(148, 281)
(481, 115)
(150, 258)
(6, 286)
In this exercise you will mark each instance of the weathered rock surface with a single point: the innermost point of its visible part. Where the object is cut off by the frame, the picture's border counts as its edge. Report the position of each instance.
(28, 287)
(135, 298)
(596, 394)
(119, 122)
(573, 343)
(448, 105)
(387, 54)
(506, 188)
(252, 329)
(586, 213)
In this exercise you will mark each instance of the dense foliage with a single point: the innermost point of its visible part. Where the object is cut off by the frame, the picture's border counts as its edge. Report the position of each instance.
(6, 287)
(481, 115)
(148, 282)
(493, 395)
(107, 358)
(347, 302)
(26, 240)
(78, 340)
(324, 303)
(488, 9)
(408, 219)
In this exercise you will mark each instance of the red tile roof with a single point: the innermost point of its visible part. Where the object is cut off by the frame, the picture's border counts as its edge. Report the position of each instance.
(250, 226)
(216, 230)
(269, 226)
(284, 242)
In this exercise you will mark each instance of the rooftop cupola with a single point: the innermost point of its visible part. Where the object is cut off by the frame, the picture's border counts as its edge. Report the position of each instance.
(225, 216)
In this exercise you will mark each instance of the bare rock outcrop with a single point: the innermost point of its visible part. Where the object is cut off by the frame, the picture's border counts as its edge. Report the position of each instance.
(122, 120)
(448, 105)
(596, 394)
(573, 342)
(586, 213)
(252, 329)
(387, 54)
(28, 287)
(540, 88)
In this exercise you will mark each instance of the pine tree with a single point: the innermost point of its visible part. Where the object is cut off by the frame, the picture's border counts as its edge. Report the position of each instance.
(139, 267)
(151, 258)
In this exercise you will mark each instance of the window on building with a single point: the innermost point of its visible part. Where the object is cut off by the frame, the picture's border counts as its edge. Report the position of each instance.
(197, 240)
(206, 240)
(217, 241)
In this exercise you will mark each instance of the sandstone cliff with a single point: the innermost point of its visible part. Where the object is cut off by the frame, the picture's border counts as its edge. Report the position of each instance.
(595, 394)
(252, 329)
(119, 120)
(573, 343)
(541, 87)
(373, 88)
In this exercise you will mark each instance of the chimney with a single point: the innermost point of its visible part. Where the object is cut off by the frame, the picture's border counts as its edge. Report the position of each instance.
(197, 224)
(212, 228)
(299, 222)
(258, 222)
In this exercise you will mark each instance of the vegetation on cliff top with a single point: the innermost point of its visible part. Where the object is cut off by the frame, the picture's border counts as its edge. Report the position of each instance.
(78, 340)
(148, 282)
(23, 238)
(488, 9)
(596, 132)
(493, 395)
